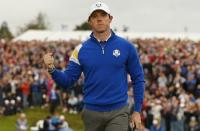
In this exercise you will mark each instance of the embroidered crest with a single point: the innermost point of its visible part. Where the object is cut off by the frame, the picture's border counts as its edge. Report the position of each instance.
(98, 5)
(116, 53)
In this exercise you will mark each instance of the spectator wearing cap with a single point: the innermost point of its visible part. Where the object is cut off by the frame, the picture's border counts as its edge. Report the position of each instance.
(156, 126)
(64, 125)
(193, 124)
(22, 123)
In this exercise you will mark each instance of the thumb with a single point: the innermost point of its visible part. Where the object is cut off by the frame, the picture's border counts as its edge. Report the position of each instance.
(132, 124)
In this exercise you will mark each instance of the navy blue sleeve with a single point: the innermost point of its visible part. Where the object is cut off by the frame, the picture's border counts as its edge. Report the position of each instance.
(137, 76)
(67, 77)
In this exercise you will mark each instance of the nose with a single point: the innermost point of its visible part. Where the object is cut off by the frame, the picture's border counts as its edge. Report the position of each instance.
(99, 18)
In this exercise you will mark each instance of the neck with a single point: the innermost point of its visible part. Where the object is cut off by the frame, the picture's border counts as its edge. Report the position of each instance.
(102, 36)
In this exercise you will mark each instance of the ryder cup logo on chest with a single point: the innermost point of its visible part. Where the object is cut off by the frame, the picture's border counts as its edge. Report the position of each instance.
(116, 53)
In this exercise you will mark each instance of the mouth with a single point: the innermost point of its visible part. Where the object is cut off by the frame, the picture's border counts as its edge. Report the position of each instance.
(100, 24)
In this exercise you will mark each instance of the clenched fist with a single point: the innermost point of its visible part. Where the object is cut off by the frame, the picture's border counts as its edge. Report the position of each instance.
(49, 60)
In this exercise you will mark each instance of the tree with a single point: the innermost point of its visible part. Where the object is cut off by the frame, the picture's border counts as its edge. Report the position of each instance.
(84, 26)
(5, 31)
(39, 23)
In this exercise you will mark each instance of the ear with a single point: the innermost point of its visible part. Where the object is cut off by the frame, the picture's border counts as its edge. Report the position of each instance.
(110, 17)
(89, 22)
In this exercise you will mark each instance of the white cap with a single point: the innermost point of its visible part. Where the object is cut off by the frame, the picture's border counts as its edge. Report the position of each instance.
(193, 118)
(62, 117)
(6, 102)
(18, 98)
(12, 102)
(155, 121)
(99, 6)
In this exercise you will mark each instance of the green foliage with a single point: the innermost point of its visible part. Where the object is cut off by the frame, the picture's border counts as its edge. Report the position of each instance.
(5, 32)
(39, 23)
(84, 26)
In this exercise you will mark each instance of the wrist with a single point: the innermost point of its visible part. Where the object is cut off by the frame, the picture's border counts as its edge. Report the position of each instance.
(135, 112)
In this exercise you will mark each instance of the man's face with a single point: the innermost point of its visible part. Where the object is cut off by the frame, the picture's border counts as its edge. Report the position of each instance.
(100, 21)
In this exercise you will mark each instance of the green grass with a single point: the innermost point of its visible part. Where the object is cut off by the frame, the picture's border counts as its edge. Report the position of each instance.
(7, 123)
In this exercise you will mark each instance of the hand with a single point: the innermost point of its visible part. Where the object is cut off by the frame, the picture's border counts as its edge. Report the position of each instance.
(136, 121)
(49, 60)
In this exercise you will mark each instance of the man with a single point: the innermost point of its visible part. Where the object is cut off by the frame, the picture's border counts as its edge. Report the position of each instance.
(105, 60)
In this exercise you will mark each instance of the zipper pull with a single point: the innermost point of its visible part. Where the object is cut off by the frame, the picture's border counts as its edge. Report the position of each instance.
(102, 44)
(102, 50)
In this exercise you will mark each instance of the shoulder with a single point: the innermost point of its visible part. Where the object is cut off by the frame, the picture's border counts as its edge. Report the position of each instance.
(78, 49)
(125, 43)
(75, 53)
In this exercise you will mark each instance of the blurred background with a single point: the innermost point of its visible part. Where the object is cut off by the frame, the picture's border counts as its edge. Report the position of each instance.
(166, 34)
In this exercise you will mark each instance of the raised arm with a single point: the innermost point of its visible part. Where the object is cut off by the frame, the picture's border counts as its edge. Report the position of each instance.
(70, 75)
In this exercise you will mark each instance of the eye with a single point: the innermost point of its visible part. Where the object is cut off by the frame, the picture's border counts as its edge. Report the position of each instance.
(104, 14)
(94, 15)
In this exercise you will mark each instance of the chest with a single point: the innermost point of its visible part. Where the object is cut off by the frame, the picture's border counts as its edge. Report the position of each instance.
(98, 56)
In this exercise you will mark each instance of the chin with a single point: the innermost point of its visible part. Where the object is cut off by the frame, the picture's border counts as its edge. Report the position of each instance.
(100, 31)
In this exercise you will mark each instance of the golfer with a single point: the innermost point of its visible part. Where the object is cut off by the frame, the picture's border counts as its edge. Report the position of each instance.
(105, 60)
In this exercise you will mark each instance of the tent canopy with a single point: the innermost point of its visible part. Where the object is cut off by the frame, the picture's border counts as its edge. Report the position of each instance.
(45, 35)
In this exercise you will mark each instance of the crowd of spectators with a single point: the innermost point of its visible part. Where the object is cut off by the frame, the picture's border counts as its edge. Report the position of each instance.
(172, 75)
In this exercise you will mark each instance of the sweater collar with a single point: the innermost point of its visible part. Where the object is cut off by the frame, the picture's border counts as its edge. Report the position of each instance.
(109, 38)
